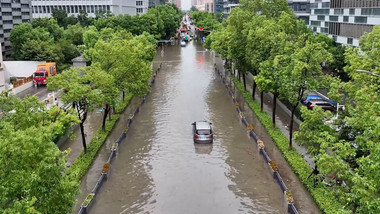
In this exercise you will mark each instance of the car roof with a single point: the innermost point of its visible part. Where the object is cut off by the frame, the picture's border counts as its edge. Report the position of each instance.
(317, 97)
(202, 125)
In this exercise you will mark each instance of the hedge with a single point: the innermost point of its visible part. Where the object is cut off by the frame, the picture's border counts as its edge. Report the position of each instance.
(80, 166)
(321, 194)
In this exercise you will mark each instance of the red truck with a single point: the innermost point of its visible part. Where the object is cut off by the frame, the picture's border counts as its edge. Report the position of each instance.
(43, 71)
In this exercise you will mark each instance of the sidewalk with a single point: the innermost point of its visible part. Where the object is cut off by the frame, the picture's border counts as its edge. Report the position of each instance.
(282, 115)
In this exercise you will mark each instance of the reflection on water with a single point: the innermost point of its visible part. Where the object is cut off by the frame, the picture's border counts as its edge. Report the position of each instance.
(157, 170)
(203, 148)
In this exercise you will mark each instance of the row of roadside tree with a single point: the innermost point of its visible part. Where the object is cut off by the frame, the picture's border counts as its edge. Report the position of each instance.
(285, 58)
(33, 174)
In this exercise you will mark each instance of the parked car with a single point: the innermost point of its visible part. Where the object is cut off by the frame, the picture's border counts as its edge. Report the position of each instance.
(183, 43)
(316, 100)
(202, 132)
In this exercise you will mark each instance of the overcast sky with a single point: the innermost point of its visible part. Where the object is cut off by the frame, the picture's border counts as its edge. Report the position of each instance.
(186, 4)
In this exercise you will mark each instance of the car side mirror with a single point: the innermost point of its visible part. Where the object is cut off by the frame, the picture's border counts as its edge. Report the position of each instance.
(193, 124)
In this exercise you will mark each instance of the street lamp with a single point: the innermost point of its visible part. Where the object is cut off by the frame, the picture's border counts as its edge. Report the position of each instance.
(367, 72)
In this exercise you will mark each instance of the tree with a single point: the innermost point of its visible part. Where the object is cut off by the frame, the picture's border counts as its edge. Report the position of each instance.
(50, 25)
(24, 32)
(76, 91)
(60, 16)
(193, 8)
(41, 51)
(237, 40)
(104, 84)
(70, 20)
(74, 33)
(83, 18)
(363, 119)
(304, 72)
(32, 176)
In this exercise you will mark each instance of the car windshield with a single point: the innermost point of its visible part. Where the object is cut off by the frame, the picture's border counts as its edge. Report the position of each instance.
(204, 132)
(39, 75)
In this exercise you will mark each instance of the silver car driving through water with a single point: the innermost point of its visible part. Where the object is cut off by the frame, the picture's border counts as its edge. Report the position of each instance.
(202, 132)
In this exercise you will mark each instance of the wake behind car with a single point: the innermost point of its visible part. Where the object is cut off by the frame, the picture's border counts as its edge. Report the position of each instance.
(202, 132)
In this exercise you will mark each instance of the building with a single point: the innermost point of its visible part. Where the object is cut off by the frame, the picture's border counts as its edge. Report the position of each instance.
(219, 6)
(344, 20)
(12, 12)
(153, 3)
(301, 8)
(229, 5)
(44, 8)
(178, 4)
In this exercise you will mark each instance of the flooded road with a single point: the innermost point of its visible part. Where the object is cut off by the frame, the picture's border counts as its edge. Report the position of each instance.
(159, 169)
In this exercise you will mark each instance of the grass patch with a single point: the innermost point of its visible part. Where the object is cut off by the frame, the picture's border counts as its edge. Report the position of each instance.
(321, 194)
(80, 166)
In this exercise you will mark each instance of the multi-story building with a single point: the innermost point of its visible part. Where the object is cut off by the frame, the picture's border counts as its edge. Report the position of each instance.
(153, 3)
(44, 8)
(178, 4)
(344, 20)
(228, 5)
(301, 8)
(12, 12)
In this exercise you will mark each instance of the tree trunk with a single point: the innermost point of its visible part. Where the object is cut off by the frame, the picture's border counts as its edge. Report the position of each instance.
(262, 101)
(274, 110)
(123, 95)
(83, 137)
(253, 90)
(291, 129)
(106, 110)
(109, 114)
(245, 84)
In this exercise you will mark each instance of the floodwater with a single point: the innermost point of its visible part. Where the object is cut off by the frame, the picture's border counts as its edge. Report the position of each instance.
(159, 169)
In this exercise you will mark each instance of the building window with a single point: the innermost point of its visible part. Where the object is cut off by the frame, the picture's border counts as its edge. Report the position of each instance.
(350, 41)
(324, 30)
(313, 5)
(321, 11)
(338, 11)
(5, 5)
(139, 3)
(352, 12)
(139, 10)
(7, 21)
(16, 9)
(321, 18)
(314, 29)
(315, 23)
(334, 18)
(345, 18)
(335, 38)
(325, 4)
(370, 11)
(361, 19)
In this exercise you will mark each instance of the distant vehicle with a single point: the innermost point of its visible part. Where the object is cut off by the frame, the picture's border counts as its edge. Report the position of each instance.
(43, 71)
(202, 132)
(316, 100)
(183, 43)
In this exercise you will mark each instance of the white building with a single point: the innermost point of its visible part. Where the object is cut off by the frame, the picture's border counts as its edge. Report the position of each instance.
(44, 8)
(344, 20)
